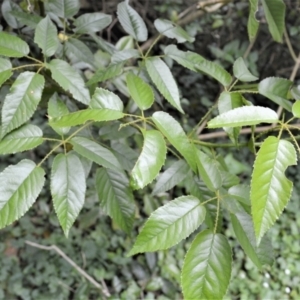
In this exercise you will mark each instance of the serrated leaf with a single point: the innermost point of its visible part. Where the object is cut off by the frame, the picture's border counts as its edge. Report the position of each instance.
(132, 22)
(150, 161)
(110, 72)
(277, 90)
(105, 99)
(164, 81)
(173, 31)
(91, 22)
(95, 152)
(253, 24)
(115, 197)
(22, 100)
(196, 63)
(77, 51)
(20, 186)
(24, 18)
(64, 8)
(7, 8)
(295, 109)
(122, 56)
(125, 155)
(5, 70)
(241, 193)
(22, 139)
(171, 177)
(69, 80)
(208, 171)
(244, 231)
(244, 116)
(46, 36)
(12, 46)
(141, 93)
(270, 189)
(170, 224)
(241, 71)
(82, 116)
(67, 188)
(173, 131)
(275, 14)
(207, 265)
(56, 109)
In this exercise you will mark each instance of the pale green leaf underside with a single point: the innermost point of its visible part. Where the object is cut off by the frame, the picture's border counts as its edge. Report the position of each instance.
(163, 79)
(277, 90)
(82, 116)
(67, 188)
(22, 139)
(69, 79)
(12, 46)
(141, 93)
(241, 71)
(174, 133)
(207, 267)
(95, 152)
(150, 161)
(244, 116)
(20, 186)
(270, 189)
(132, 22)
(275, 14)
(22, 100)
(170, 224)
(105, 99)
(115, 197)
(253, 24)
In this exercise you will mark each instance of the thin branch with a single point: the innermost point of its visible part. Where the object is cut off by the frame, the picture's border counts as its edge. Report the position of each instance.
(102, 288)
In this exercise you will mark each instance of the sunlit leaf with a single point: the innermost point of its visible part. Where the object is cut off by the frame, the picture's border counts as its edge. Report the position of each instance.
(12, 46)
(296, 109)
(105, 99)
(170, 224)
(91, 22)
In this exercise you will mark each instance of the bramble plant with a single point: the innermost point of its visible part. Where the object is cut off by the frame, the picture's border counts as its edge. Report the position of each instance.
(48, 59)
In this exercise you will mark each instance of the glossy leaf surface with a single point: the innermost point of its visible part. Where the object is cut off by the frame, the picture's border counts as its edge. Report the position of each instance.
(270, 189)
(170, 224)
(106, 99)
(12, 46)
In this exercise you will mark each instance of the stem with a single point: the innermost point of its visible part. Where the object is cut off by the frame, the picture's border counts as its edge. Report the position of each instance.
(218, 212)
(153, 44)
(209, 200)
(27, 66)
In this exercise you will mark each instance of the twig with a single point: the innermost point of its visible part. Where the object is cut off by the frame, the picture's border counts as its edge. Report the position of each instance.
(102, 288)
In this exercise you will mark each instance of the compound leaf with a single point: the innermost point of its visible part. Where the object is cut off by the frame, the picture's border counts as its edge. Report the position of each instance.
(170, 224)
(270, 189)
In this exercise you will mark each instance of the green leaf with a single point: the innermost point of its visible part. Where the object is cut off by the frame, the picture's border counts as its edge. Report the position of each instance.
(77, 51)
(12, 46)
(244, 116)
(115, 197)
(253, 24)
(170, 224)
(241, 71)
(277, 90)
(125, 155)
(140, 91)
(22, 100)
(46, 36)
(63, 8)
(172, 31)
(132, 22)
(207, 267)
(20, 186)
(275, 14)
(7, 8)
(56, 109)
(122, 56)
(173, 131)
(67, 188)
(163, 80)
(241, 193)
(243, 229)
(5, 70)
(22, 139)
(23, 18)
(196, 63)
(110, 72)
(270, 189)
(82, 116)
(208, 171)
(92, 22)
(105, 99)
(171, 177)
(69, 80)
(296, 109)
(95, 152)
(150, 161)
